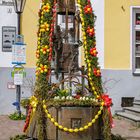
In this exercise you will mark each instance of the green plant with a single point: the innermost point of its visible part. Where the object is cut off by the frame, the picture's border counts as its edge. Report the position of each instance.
(19, 137)
(15, 116)
(117, 137)
(25, 102)
(62, 93)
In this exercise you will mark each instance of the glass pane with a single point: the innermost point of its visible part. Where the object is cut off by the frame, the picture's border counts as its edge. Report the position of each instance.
(138, 47)
(19, 5)
(137, 62)
(68, 36)
(62, 21)
(137, 18)
(137, 50)
(137, 36)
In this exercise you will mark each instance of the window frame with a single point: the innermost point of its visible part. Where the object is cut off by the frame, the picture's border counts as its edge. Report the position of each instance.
(134, 28)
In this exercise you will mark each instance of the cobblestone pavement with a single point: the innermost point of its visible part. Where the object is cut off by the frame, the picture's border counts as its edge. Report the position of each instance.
(126, 129)
(9, 128)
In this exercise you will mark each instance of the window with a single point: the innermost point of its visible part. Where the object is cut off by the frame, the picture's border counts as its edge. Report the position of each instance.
(136, 40)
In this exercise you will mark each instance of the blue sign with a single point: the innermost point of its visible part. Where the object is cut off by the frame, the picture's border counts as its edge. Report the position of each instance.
(19, 51)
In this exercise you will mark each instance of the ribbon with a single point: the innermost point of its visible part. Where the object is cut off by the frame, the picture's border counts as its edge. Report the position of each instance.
(33, 102)
(108, 103)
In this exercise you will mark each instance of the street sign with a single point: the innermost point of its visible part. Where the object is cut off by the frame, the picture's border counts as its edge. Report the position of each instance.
(18, 78)
(6, 2)
(19, 51)
(8, 38)
(18, 73)
(18, 69)
(10, 85)
(19, 54)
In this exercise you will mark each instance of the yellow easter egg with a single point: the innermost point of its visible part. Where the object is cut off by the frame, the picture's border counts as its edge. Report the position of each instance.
(65, 129)
(60, 127)
(52, 120)
(44, 106)
(93, 120)
(89, 74)
(99, 112)
(49, 116)
(85, 127)
(93, 88)
(76, 130)
(95, 93)
(70, 130)
(81, 129)
(85, 42)
(56, 124)
(89, 69)
(83, 24)
(89, 124)
(89, 65)
(84, 37)
(96, 117)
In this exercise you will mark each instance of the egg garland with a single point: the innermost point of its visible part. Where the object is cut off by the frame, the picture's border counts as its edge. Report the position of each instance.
(88, 34)
(70, 130)
(34, 103)
(45, 27)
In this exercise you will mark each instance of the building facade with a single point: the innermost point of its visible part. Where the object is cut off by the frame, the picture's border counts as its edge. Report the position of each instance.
(8, 24)
(121, 50)
(117, 34)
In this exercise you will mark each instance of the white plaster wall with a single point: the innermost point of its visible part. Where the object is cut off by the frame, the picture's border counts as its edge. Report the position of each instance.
(98, 8)
(6, 19)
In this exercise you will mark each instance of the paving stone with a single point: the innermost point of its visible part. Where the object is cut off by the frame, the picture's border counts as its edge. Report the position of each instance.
(9, 128)
(122, 127)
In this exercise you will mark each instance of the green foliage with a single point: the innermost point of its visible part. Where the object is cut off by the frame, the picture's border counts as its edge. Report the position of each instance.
(117, 137)
(73, 102)
(19, 137)
(15, 116)
(25, 102)
(62, 93)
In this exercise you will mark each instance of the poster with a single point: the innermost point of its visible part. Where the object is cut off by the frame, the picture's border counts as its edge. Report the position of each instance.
(19, 54)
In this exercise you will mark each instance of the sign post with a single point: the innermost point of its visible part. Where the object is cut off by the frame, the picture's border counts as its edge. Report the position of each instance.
(18, 73)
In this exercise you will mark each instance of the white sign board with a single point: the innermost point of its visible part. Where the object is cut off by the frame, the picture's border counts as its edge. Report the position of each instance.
(6, 2)
(8, 38)
(10, 85)
(18, 79)
(19, 54)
